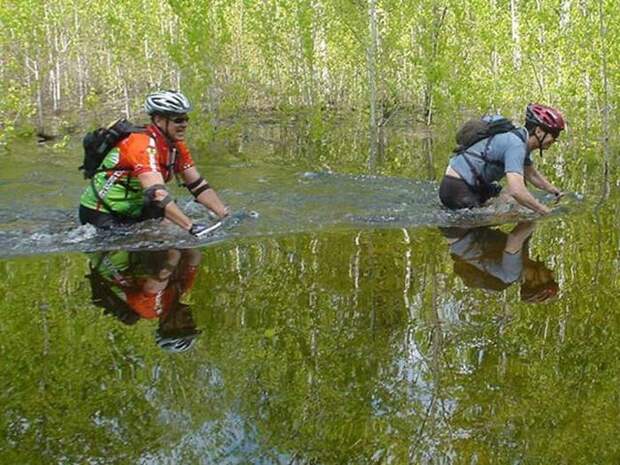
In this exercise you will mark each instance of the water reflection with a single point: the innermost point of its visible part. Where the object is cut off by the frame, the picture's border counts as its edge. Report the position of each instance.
(491, 259)
(148, 285)
(330, 348)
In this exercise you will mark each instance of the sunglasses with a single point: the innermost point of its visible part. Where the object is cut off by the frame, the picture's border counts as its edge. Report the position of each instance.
(180, 119)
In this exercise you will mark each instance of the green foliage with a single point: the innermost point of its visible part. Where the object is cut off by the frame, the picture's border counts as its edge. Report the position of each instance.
(433, 58)
(15, 112)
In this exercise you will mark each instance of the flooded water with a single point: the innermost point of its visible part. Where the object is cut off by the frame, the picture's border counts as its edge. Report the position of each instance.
(341, 316)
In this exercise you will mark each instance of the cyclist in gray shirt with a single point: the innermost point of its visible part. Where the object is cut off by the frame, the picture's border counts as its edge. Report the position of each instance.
(470, 178)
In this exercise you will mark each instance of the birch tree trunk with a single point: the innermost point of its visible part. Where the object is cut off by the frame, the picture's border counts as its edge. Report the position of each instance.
(516, 38)
(428, 145)
(126, 99)
(439, 16)
(494, 52)
(372, 83)
(565, 14)
(33, 66)
(80, 84)
(605, 96)
(80, 81)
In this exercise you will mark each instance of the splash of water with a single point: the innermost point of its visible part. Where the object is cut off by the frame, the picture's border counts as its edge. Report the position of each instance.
(305, 202)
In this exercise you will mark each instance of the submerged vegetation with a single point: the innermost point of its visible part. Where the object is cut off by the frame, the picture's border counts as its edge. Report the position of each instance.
(67, 60)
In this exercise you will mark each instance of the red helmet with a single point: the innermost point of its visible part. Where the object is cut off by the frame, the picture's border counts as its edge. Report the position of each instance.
(547, 117)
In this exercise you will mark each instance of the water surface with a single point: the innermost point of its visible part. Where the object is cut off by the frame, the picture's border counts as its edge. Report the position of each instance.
(339, 318)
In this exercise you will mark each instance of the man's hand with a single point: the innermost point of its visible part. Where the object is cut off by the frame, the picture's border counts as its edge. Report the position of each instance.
(219, 214)
(557, 193)
(545, 210)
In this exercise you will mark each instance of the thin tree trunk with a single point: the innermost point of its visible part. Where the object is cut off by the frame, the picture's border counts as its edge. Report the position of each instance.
(494, 53)
(428, 144)
(56, 104)
(516, 38)
(39, 92)
(177, 79)
(322, 75)
(565, 14)
(80, 60)
(80, 81)
(437, 25)
(50, 58)
(148, 58)
(126, 99)
(587, 84)
(604, 73)
(372, 83)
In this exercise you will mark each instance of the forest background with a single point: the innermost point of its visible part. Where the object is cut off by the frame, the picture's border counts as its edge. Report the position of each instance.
(523, 377)
(67, 63)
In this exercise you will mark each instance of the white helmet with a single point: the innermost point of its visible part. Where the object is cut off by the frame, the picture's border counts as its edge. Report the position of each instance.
(167, 102)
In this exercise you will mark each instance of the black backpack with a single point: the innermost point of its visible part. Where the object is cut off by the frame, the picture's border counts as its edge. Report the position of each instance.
(103, 296)
(98, 143)
(475, 130)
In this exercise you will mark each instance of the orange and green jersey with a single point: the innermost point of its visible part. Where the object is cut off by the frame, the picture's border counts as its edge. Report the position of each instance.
(117, 185)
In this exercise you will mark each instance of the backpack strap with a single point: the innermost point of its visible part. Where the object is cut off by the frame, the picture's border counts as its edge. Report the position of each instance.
(100, 197)
(519, 134)
(477, 176)
(481, 184)
(480, 181)
(484, 154)
(114, 178)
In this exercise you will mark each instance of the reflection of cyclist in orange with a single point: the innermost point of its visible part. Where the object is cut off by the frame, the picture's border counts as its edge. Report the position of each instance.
(489, 258)
(149, 285)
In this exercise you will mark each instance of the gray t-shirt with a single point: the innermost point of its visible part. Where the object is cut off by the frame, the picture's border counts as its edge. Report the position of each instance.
(508, 152)
(474, 250)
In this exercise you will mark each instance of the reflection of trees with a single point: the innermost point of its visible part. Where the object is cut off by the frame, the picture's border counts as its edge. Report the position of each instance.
(360, 347)
(79, 387)
(349, 347)
(65, 393)
(538, 379)
(323, 343)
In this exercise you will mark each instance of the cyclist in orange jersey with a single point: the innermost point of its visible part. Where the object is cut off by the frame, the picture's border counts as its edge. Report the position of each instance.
(130, 186)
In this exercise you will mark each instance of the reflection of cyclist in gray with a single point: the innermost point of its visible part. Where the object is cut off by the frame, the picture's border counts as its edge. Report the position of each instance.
(149, 285)
(489, 258)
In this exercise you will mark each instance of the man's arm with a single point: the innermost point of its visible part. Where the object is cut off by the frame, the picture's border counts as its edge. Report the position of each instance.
(538, 180)
(204, 194)
(517, 237)
(151, 180)
(517, 189)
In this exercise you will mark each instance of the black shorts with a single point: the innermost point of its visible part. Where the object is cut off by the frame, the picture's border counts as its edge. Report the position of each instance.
(109, 221)
(455, 194)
